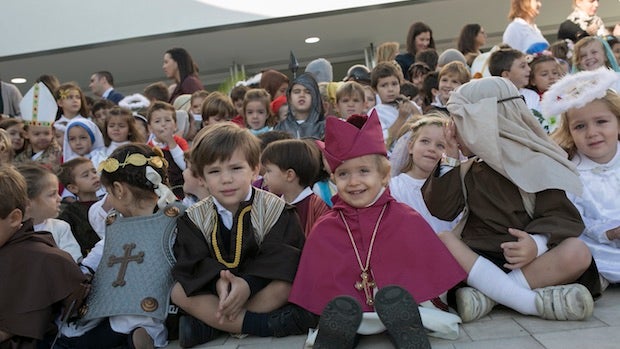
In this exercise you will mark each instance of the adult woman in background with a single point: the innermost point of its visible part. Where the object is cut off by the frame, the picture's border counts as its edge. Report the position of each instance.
(179, 66)
(419, 37)
(522, 33)
(471, 39)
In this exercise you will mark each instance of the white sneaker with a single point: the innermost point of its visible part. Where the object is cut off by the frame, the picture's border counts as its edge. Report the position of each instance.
(472, 304)
(604, 282)
(564, 302)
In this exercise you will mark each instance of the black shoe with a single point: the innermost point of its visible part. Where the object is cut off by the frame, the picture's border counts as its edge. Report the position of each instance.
(399, 313)
(193, 332)
(291, 320)
(338, 324)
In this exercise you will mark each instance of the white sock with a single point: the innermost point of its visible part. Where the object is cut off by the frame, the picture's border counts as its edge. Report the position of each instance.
(497, 285)
(518, 277)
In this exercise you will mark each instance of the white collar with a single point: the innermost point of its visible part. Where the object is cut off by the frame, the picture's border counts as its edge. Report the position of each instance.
(304, 194)
(107, 93)
(226, 215)
(584, 163)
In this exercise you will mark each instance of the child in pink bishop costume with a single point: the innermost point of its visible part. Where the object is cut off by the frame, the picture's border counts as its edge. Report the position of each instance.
(370, 253)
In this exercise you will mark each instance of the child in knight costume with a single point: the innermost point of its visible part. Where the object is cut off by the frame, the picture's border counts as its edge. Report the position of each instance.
(129, 300)
(368, 262)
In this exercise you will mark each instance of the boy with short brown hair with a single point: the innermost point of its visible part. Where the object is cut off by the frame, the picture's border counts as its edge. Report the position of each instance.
(46, 278)
(237, 250)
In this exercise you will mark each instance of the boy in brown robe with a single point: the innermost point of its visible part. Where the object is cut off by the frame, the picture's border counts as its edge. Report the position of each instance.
(519, 241)
(28, 308)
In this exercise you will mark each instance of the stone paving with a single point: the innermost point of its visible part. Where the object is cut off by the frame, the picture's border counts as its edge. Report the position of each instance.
(503, 328)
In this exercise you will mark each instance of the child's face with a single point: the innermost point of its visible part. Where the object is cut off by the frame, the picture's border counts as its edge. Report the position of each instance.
(256, 114)
(229, 181)
(281, 91)
(359, 180)
(370, 99)
(40, 137)
(71, 103)
(426, 150)
(192, 184)
(447, 84)
(595, 130)
(592, 56)
(300, 100)
(16, 133)
(422, 41)
(238, 106)
(47, 203)
(545, 74)
(118, 129)
(282, 112)
(418, 80)
(100, 115)
(388, 89)
(616, 49)
(353, 104)
(79, 140)
(86, 179)
(196, 106)
(214, 119)
(275, 178)
(162, 124)
(519, 72)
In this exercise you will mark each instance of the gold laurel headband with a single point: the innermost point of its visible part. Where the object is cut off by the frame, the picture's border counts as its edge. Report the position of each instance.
(111, 164)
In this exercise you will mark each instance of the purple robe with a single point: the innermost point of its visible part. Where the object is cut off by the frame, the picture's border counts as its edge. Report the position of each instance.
(406, 252)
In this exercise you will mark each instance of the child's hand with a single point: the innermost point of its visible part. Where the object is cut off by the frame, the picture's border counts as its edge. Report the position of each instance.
(232, 299)
(613, 234)
(452, 145)
(406, 108)
(521, 252)
(592, 29)
(167, 136)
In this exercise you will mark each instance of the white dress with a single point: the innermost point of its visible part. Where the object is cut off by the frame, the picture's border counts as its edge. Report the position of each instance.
(600, 209)
(523, 36)
(408, 190)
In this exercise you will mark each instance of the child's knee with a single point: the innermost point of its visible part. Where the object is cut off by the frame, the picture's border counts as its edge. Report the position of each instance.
(576, 254)
(178, 295)
(281, 288)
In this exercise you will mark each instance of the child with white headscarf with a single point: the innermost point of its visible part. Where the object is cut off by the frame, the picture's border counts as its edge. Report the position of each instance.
(519, 232)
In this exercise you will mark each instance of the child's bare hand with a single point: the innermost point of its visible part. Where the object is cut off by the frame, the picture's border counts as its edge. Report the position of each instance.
(452, 145)
(232, 302)
(167, 136)
(521, 252)
(406, 108)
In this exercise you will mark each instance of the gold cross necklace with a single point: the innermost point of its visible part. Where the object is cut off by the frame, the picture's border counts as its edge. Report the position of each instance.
(366, 283)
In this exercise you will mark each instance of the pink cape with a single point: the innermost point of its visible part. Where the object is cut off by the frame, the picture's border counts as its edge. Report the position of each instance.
(406, 252)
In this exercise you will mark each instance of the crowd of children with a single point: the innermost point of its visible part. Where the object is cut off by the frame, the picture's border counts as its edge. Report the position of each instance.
(292, 205)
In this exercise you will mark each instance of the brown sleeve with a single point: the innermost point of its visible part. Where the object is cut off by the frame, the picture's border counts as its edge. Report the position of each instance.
(444, 195)
(556, 216)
